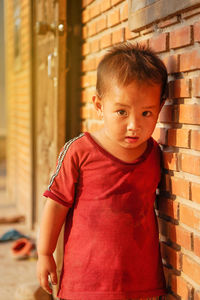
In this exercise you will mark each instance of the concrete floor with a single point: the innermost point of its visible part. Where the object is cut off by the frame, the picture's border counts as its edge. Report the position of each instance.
(18, 279)
(14, 273)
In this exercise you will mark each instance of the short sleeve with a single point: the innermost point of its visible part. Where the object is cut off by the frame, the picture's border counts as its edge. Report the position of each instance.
(63, 181)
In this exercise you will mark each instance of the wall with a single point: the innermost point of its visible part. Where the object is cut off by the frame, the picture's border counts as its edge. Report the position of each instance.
(176, 40)
(18, 97)
(2, 87)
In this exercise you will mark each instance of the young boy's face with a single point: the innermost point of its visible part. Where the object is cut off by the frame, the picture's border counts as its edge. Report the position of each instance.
(130, 113)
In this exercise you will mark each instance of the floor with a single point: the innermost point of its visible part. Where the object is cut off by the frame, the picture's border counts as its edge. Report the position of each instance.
(16, 276)
(14, 273)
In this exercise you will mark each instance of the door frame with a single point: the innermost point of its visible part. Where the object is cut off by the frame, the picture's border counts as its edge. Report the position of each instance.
(69, 83)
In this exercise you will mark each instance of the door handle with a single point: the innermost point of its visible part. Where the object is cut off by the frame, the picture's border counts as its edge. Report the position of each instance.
(42, 28)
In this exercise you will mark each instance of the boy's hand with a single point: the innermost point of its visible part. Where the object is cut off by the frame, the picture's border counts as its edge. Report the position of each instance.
(46, 266)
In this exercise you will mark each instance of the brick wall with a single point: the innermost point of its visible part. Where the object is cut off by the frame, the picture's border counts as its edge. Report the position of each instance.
(18, 96)
(105, 23)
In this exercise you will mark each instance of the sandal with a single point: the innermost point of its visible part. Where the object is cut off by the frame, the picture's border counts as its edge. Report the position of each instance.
(23, 248)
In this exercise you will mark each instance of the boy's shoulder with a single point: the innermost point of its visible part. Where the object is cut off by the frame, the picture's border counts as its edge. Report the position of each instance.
(77, 145)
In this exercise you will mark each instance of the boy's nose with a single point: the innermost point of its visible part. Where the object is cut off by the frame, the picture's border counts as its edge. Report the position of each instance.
(133, 124)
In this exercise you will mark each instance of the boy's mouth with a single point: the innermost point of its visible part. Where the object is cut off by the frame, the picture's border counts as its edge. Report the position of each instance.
(131, 139)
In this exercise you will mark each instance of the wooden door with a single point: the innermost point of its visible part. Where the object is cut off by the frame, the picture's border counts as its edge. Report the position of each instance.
(56, 82)
(49, 94)
(49, 75)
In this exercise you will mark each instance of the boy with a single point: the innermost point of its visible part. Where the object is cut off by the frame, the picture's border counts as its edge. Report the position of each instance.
(104, 189)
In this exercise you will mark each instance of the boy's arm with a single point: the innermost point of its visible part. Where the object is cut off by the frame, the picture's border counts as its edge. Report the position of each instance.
(52, 220)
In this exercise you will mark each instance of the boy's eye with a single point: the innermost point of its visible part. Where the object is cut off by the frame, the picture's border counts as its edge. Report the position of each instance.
(122, 112)
(146, 113)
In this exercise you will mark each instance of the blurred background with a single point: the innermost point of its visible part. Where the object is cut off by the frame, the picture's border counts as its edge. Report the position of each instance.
(49, 52)
(2, 107)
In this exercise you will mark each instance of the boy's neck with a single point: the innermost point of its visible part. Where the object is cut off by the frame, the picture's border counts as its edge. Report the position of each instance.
(126, 155)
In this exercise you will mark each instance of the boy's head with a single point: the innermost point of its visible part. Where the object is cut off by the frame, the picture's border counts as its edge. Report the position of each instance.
(126, 63)
(130, 91)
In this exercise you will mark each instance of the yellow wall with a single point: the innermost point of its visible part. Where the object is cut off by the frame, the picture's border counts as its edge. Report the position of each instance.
(2, 86)
(18, 97)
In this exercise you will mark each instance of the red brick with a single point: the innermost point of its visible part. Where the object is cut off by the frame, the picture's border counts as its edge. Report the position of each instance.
(88, 65)
(84, 32)
(84, 126)
(101, 24)
(171, 256)
(92, 29)
(170, 160)
(95, 10)
(95, 46)
(171, 63)
(195, 192)
(159, 43)
(105, 5)
(191, 268)
(181, 287)
(88, 112)
(98, 59)
(180, 37)
(105, 41)
(118, 36)
(159, 135)
(86, 95)
(197, 245)
(190, 61)
(124, 12)
(165, 182)
(180, 236)
(188, 113)
(178, 137)
(85, 48)
(130, 35)
(166, 114)
(84, 3)
(114, 18)
(163, 226)
(191, 12)
(168, 22)
(190, 164)
(89, 1)
(114, 2)
(195, 139)
(197, 32)
(196, 87)
(84, 65)
(168, 207)
(179, 88)
(180, 187)
(88, 80)
(190, 216)
(147, 30)
(85, 15)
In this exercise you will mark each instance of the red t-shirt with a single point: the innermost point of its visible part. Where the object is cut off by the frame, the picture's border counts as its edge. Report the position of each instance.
(111, 244)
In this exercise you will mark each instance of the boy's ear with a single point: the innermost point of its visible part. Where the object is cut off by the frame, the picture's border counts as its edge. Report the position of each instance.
(98, 105)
